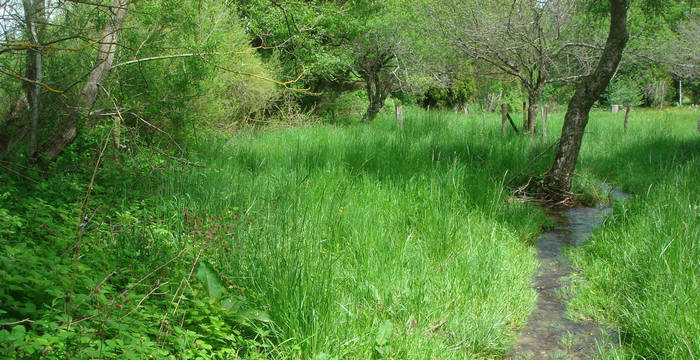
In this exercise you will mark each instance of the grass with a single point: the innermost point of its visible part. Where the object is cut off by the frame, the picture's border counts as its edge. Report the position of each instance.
(353, 228)
(641, 273)
(361, 241)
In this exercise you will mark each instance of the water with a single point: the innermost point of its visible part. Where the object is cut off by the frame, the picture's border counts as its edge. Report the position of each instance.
(549, 334)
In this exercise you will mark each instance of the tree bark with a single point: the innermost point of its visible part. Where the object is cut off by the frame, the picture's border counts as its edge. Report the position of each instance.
(68, 130)
(14, 127)
(378, 88)
(33, 11)
(699, 123)
(558, 178)
(627, 116)
(534, 99)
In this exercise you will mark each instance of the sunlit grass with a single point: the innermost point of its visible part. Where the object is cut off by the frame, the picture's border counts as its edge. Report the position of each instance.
(351, 227)
(641, 272)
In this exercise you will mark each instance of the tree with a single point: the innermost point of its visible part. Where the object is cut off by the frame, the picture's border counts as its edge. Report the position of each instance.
(627, 91)
(684, 52)
(35, 20)
(33, 17)
(108, 42)
(533, 41)
(380, 61)
(558, 179)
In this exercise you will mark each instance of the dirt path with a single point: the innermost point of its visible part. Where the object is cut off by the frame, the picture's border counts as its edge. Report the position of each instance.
(549, 334)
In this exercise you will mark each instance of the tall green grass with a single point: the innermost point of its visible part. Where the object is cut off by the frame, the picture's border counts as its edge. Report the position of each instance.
(641, 272)
(355, 230)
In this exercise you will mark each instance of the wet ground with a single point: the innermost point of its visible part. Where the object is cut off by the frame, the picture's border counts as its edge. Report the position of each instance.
(549, 334)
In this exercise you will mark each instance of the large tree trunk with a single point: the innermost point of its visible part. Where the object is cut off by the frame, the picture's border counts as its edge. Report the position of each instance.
(88, 96)
(558, 178)
(14, 126)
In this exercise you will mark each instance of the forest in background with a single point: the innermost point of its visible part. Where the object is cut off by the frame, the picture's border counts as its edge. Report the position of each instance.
(226, 179)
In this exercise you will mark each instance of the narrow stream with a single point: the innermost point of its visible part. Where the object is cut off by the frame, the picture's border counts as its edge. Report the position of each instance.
(549, 334)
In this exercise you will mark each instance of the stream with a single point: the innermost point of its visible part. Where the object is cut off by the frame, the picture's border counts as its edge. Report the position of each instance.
(548, 333)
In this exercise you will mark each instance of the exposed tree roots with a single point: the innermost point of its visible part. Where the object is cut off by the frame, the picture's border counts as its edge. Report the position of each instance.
(539, 190)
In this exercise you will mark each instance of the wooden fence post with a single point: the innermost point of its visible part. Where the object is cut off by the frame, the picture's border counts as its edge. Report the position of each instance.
(399, 116)
(504, 119)
(526, 123)
(544, 122)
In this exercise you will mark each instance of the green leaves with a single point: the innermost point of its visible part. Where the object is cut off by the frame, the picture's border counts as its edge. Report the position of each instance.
(17, 335)
(210, 278)
(381, 345)
(216, 288)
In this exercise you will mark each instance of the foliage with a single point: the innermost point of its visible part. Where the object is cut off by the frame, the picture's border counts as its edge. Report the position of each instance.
(281, 252)
(459, 93)
(626, 90)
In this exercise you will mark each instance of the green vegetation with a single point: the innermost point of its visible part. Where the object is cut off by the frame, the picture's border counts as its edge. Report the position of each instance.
(640, 272)
(352, 242)
(334, 233)
(228, 179)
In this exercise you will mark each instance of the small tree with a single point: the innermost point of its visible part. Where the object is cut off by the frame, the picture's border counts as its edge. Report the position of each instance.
(558, 178)
(627, 91)
(536, 42)
(377, 63)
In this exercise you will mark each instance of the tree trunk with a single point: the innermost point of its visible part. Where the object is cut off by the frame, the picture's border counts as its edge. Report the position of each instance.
(627, 116)
(33, 12)
(88, 96)
(680, 92)
(376, 103)
(377, 91)
(558, 178)
(14, 126)
(699, 123)
(534, 99)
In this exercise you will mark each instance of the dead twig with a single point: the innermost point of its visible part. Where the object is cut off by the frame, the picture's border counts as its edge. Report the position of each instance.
(182, 161)
(17, 322)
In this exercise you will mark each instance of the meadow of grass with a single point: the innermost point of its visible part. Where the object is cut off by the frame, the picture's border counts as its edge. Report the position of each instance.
(361, 241)
(359, 230)
(641, 271)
